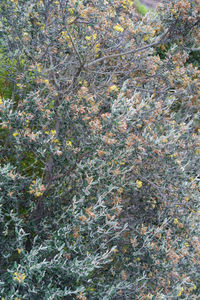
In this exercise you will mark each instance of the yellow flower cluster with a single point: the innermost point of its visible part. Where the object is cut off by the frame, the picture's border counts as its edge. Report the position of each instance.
(146, 37)
(97, 47)
(36, 189)
(56, 141)
(113, 88)
(19, 276)
(180, 292)
(71, 11)
(51, 132)
(127, 3)
(65, 35)
(118, 28)
(89, 37)
(175, 221)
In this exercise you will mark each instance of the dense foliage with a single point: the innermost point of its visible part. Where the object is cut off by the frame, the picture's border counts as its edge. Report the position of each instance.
(99, 144)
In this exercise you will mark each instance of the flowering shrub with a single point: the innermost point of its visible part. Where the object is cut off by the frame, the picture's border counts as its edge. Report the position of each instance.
(100, 151)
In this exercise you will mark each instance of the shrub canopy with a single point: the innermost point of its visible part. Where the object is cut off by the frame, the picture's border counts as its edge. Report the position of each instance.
(99, 195)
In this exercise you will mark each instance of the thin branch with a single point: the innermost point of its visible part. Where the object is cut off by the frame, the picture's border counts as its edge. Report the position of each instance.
(53, 73)
(71, 38)
(76, 50)
(195, 49)
(133, 51)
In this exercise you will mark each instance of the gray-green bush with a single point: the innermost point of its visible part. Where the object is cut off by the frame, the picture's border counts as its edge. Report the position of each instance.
(99, 151)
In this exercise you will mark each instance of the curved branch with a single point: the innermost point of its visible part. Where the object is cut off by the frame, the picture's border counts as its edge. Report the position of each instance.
(133, 51)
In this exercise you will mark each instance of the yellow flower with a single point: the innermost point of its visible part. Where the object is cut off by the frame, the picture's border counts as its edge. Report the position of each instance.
(55, 141)
(36, 190)
(19, 250)
(97, 47)
(69, 143)
(15, 134)
(19, 276)
(180, 292)
(175, 221)
(1, 102)
(113, 88)
(138, 184)
(19, 85)
(173, 11)
(138, 259)
(197, 151)
(64, 34)
(146, 37)
(38, 194)
(88, 38)
(38, 68)
(53, 132)
(118, 28)
(127, 2)
(71, 10)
